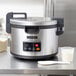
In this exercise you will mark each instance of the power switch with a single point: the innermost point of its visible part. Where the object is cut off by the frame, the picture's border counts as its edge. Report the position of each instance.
(38, 49)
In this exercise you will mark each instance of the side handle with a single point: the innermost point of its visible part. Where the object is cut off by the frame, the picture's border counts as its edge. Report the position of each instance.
(9, 16)
(60, 26)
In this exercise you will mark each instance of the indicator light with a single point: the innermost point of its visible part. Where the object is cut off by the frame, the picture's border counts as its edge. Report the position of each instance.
(36, 45)
(37, 49)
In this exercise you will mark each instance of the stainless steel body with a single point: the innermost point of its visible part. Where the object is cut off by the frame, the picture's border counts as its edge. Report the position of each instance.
(34, 37)
(47, 37)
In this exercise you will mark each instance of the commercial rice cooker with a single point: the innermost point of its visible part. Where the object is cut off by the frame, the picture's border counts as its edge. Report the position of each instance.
(34, 37)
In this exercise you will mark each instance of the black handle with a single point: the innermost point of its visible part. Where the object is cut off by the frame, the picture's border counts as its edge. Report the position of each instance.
(60, 26)
(8, 17)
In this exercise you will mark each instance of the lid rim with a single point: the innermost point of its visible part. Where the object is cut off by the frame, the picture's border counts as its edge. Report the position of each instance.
(40, 27)
(32, 23)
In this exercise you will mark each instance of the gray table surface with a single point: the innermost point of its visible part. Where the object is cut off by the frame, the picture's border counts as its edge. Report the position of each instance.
(11, 65)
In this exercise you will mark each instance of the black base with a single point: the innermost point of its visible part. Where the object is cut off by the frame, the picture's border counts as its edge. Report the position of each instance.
(45, 57)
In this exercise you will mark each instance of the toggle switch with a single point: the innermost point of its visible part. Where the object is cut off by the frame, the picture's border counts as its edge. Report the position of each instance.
(38, 49)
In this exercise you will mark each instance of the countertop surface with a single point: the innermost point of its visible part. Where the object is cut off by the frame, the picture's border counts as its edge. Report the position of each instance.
(11, 65)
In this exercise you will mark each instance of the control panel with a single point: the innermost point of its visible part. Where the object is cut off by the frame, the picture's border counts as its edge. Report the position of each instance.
(32, 46)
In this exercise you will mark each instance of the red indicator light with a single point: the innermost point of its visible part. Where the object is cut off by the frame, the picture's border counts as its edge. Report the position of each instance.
(36, 45)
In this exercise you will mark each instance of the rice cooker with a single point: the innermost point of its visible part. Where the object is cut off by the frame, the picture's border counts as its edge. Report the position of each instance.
(34, 37)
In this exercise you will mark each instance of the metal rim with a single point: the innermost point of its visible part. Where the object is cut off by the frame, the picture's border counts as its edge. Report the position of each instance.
(40, 27)
(25, 22)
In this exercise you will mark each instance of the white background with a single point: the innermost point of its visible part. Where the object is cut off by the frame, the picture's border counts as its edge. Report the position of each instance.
(32, 7)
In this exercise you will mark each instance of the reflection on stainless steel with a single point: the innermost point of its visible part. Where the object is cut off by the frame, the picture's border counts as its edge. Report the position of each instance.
(22, 63)
(11, 65)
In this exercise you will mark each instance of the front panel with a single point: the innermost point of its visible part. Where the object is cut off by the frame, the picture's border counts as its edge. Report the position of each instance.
(32, 46)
